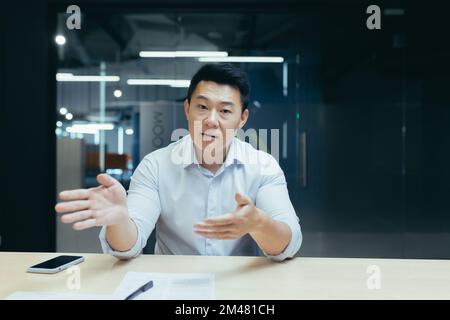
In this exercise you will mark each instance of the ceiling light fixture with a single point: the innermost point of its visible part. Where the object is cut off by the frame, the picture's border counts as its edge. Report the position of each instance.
(182, 54)
(242, 59)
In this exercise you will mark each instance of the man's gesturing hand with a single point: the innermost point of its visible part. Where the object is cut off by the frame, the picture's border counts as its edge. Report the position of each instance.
(104, 205)
(245, 219)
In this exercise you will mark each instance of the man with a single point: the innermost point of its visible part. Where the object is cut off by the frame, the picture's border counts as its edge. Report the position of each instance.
(205, 193)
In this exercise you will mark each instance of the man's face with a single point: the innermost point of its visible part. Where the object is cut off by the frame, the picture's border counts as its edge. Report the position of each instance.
(214, 114)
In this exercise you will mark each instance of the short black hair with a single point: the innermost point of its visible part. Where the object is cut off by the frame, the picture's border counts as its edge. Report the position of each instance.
(223, 73)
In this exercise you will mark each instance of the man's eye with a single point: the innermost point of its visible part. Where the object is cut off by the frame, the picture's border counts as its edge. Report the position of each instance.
(226, 111)
(200, 106)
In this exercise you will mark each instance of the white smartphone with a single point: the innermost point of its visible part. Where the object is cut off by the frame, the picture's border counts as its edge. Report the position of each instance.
(56, 264)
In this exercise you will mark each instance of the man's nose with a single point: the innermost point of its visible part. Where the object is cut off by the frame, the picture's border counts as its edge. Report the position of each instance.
(212, 120)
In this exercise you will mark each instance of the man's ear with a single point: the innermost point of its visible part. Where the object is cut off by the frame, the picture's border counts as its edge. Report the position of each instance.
(244, 118)
(186, 108)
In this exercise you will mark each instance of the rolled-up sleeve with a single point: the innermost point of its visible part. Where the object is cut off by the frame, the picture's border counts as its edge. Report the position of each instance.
(144, 208)
(273, 199)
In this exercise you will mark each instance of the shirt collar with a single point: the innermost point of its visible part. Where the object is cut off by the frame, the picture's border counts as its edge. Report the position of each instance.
(235, 153)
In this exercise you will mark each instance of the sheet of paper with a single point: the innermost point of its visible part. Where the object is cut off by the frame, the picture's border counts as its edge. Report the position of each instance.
(169, 286)
(30, 295)
(166, 286)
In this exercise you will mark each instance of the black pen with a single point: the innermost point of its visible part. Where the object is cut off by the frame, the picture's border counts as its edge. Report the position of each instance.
(140, 290)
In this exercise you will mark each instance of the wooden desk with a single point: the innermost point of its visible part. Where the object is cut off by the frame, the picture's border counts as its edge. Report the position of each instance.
(245, 277)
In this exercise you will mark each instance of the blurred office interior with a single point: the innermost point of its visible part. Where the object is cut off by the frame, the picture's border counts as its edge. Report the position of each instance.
(363, 115)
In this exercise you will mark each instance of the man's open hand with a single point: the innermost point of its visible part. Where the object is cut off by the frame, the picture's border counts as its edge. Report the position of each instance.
(245, 219)
(104, 205)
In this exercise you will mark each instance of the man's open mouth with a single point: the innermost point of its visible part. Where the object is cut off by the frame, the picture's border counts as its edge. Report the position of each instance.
(208, 136)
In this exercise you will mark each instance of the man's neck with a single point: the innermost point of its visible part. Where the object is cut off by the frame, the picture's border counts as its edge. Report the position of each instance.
(211, 167)
(215, 166)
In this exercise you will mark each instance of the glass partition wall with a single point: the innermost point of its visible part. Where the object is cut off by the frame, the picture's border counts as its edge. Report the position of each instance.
(357, 119)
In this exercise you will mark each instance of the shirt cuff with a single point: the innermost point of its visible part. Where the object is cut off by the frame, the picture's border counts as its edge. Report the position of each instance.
(133, 252)
(293, 246)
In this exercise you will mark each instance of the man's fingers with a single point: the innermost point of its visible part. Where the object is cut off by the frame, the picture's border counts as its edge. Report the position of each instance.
(220, 220)
(76, 216)
(215, 235)
(214, 228)
(86, 224)
(241, 199)
(72, 206)
(77, 194)
(106, 180)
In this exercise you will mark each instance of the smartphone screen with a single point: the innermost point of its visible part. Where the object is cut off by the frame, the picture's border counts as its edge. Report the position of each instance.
(56, 262)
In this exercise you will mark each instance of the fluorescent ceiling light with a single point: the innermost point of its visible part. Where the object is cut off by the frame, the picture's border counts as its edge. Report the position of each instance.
(81, 130)
(242, 59)
(129, 132)
(181, 83)
(94, 126)
(73, 78)
(89, 128)
(69, 116)
(64, 75)
(182, 54)
(159, 82)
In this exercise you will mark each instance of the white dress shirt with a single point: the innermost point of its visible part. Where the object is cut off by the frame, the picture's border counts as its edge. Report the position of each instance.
(171, 191)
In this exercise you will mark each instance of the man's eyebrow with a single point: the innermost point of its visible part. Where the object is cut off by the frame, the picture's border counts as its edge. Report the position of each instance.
(228, 103)
(200, 96)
